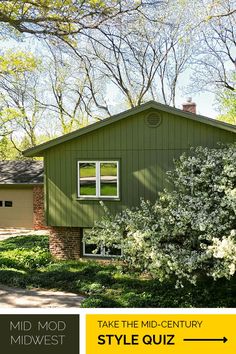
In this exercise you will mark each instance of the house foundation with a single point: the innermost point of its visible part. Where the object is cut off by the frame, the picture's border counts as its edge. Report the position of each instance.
(65, 242)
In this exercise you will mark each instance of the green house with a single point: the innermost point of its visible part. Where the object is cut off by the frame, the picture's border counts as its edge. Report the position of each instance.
(117, 160)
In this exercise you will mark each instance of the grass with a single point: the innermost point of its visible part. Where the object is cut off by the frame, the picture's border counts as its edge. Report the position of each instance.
(107, 170)
(25, 262)
(108, 189)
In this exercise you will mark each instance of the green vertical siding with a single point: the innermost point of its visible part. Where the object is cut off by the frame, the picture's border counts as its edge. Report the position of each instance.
(145, 154)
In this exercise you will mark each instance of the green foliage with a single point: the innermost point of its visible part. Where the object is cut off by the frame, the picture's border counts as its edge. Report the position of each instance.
(59, 18)
(24, 253)
(20, 112)
(103, 285)
(228, 105)
(7, 151)
(17, 62)
(25, 259)
(10, 151)
(187, 233)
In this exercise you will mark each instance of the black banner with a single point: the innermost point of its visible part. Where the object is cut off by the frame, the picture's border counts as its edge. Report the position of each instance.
(39, 334)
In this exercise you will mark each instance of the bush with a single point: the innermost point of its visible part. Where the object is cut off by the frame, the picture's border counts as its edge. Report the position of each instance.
(190, 231)
(25, 252)
(104, 286)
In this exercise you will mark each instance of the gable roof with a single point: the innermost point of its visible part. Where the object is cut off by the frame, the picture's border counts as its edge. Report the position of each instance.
(21, 172)
(38, 150)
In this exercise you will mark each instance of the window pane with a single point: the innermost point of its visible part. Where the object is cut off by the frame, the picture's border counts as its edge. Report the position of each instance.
(8, 203)
(112, 251)
(1, 203)
(89, 248)
(87, 181)
(108, 179)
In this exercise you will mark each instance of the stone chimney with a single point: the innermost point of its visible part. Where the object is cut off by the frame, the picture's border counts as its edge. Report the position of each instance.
(189, 106)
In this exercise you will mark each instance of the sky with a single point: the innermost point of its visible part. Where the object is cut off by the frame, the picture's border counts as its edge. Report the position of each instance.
(205, 101)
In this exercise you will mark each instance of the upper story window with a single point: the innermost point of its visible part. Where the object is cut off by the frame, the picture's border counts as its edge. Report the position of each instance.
(98, 179)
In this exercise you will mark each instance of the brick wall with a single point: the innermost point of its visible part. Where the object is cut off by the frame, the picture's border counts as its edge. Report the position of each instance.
(38, 208)
(189, 106)
(65, 242)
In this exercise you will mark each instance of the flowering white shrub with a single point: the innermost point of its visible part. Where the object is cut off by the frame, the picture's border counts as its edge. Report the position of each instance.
(225, 251)
(189, 231)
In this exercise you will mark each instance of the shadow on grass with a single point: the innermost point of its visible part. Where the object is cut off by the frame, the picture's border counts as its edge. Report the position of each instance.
(103, 285)
(24, 242)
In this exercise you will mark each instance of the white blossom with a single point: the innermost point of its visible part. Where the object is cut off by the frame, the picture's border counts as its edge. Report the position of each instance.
(190, 230)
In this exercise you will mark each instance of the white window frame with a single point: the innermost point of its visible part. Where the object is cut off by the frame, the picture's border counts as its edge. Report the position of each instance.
(103, 251)
(103, 254)
(98, 180)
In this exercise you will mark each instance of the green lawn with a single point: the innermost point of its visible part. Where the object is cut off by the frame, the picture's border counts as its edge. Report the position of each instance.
(108, 189)
(25, 262)
(89, 171)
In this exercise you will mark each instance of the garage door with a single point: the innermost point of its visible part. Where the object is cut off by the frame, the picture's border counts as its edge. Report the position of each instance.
(16, 207)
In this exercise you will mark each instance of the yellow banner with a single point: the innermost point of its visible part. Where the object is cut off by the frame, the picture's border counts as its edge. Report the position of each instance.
(165, 334)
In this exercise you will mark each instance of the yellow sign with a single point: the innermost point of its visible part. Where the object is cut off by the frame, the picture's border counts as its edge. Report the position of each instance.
(165, 334)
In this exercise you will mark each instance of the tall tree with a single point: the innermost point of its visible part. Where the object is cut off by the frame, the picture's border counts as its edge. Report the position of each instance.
(7, 150)
(143, 58)
(227, 104)
(214, 63)
(61, 18)
(19, 82)
(219, 8)
(67, 96)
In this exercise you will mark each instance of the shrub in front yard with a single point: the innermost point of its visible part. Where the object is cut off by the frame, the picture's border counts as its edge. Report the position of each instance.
(104, 285)
(189, 232)
(25, 252)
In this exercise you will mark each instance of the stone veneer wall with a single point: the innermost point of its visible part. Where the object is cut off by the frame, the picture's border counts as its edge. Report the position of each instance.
(38, 208)
(65, 242)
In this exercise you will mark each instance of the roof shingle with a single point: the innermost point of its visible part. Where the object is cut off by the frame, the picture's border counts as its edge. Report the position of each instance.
(21, 172)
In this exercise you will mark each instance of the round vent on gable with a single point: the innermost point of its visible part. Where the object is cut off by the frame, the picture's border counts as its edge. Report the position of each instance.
(153, 119)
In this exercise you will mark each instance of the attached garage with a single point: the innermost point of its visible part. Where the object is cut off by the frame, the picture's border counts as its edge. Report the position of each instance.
(21, 194)
(16, 207)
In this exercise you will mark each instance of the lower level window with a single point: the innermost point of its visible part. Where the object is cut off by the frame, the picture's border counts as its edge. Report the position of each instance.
(91, 249)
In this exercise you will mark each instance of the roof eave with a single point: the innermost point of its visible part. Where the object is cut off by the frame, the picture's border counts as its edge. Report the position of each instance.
(39, 150)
